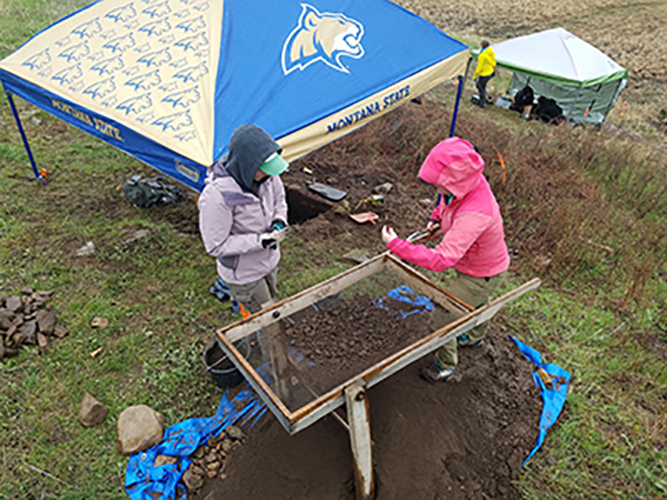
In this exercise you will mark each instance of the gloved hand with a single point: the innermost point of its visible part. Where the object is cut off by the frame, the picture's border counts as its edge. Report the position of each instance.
(278, 224)
(273, 238)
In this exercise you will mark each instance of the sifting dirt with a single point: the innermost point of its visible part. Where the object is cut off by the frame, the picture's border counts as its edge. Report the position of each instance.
(345, 338)
(462, 439)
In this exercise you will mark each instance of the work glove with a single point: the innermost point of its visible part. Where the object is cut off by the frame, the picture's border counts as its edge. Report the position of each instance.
(278, 225)
(273, 238)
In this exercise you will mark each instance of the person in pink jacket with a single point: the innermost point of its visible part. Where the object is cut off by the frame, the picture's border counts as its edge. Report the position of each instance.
(473, 240)
(243, 215)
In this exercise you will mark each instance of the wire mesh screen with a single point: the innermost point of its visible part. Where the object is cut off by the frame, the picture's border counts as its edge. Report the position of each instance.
(311, 352)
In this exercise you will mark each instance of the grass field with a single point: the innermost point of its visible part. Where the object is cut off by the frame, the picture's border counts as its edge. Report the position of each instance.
(602, 316)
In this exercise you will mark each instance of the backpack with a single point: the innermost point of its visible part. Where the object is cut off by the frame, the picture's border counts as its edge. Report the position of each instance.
(547, 110)
(154, 192)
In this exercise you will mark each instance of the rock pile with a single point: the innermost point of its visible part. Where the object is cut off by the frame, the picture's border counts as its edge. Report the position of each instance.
(27, 319)
(209, 459)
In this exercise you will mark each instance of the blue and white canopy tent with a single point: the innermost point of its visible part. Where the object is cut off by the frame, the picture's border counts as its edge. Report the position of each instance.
(168, 81)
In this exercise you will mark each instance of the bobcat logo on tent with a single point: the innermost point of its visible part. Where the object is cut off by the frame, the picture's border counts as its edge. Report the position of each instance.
(322, 37)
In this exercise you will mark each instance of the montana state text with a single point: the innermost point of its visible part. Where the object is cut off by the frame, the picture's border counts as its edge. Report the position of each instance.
(100, 126)
(371, 109)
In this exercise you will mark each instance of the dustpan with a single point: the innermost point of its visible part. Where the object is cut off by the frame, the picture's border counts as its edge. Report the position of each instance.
(365, 217)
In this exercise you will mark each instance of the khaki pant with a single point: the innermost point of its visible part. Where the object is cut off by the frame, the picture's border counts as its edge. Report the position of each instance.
(475, 292)
(254, 295)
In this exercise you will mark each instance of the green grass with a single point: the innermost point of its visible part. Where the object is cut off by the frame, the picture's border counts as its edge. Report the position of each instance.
(610, 442)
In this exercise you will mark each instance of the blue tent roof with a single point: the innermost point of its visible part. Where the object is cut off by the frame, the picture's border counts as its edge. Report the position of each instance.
(168, 81)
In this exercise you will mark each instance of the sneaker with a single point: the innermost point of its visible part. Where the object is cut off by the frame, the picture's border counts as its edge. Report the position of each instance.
(436, 374)
(464, 341)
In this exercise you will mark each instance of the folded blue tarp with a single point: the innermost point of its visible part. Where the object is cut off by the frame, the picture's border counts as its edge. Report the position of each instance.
(553, 399)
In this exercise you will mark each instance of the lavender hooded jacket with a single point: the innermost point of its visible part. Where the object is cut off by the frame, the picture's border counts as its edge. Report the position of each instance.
(234, 210)
(474, 240)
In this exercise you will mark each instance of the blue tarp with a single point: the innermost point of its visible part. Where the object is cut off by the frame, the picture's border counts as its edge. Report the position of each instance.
(144, 481)
(169, 82)
(552, 399)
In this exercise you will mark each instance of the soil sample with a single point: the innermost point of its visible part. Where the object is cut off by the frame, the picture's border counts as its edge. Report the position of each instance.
(346, 337)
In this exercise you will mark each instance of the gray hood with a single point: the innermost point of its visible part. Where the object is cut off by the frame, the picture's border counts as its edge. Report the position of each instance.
(249, 147)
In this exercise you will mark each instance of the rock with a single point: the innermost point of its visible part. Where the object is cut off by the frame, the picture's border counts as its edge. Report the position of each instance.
(87, 249)
(343, 208)
(195, 469)
(13, 303)
(60, 331)
(99, 323)
(383, 188)
(10, 352)
(164, 459)
(358, 256)
(227, 445)
(234, 432)
(199, 452)
(213, 466)
(28, 330)
(91, 411)
(139, 428)
(46, 321)
(192, 481)
(42, 342)
(6, 317)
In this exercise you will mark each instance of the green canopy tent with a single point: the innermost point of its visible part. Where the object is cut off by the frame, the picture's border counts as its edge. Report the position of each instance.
(583, 80)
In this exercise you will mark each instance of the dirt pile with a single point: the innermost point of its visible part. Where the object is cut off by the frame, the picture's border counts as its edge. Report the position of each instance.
(457, 440)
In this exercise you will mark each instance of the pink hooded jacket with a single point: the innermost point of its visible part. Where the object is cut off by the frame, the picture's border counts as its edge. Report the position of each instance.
(474, 240)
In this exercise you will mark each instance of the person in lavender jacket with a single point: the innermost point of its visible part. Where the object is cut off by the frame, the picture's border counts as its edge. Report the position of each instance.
(243, 215)
(473, 239)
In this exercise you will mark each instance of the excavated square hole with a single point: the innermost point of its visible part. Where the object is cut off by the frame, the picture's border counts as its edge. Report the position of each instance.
(301, 207)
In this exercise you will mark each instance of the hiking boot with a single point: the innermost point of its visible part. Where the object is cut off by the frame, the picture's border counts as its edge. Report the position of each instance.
(436, 374)
(464, 341)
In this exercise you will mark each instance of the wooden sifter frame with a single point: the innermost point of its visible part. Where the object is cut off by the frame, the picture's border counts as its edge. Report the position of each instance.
(352, 392)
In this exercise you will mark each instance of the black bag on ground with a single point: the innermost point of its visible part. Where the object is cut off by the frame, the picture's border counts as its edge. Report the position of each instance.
(154, 192)
(547, 110)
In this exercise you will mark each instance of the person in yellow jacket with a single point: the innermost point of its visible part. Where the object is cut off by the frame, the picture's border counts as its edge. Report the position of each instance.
(486, 67)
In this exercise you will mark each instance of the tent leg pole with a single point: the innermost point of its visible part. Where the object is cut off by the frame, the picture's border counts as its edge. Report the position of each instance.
(359, 421)
(462, 79)
(38, 176)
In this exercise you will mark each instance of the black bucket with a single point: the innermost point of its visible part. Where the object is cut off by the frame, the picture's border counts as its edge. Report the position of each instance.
(221, 368)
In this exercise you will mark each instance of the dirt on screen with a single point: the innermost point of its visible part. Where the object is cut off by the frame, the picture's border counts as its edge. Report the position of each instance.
(346, 337)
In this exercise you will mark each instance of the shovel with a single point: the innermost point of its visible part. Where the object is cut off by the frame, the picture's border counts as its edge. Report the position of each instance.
(365, 217)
